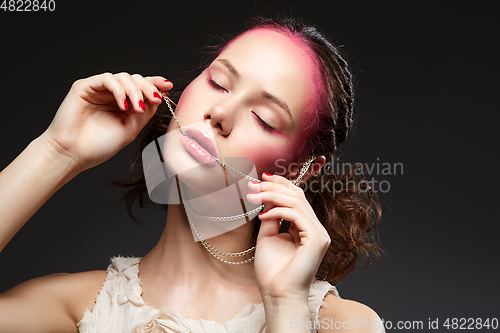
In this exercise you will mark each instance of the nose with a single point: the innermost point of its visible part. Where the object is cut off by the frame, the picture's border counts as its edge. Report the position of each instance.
(221, 118)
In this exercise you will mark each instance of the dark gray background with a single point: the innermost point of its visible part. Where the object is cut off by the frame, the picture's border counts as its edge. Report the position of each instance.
(427, 87)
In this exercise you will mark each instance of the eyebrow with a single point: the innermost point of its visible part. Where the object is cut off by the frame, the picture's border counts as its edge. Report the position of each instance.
(230, 68)
(277, 101)
(271, 98)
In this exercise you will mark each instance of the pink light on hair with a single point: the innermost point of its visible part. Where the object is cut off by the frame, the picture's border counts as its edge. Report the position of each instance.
(311, 120)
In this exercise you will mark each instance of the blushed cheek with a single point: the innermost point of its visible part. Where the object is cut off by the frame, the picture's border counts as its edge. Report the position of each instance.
(193, 102)
(186, 99)
(274, 159)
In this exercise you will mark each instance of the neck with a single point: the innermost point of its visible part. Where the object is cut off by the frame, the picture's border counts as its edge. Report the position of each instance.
(180, 257)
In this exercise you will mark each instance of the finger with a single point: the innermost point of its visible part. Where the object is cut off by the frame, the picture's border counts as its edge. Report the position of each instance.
(278, 180)
(136, 121)
(256, 188)
(267, 186)
(279, 193)
(275, 198)
(252, 195)
(278, 213)
(292, 230)
(134, 93)
(305, 229)
(138, 88)
(269, 228)
(149, 90)
(160, 82)
(162, 86)
(301, 231)
(107, 81)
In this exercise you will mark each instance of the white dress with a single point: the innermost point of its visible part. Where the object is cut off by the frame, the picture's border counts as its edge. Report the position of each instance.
(119, 308)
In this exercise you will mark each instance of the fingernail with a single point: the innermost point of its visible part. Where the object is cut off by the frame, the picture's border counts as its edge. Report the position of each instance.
(260, 214)
(125, 104)
(156, 95)
(168, 81)
(253, 193)
(254, 182)
(141, 105)
(267, 174)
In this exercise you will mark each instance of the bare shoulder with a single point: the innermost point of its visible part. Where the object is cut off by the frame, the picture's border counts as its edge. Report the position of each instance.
(343, 315)
(52, 303)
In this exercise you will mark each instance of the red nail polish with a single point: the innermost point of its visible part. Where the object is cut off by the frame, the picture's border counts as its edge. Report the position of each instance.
(254, 182)
(141, 105)
(168, 81)
(260, 214)
(125, 104)
(267, 174)
(156, 95)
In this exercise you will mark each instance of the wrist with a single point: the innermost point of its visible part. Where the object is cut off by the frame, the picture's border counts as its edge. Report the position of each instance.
(283, 315)
(284, 302)
(28, 182)
(54, 154)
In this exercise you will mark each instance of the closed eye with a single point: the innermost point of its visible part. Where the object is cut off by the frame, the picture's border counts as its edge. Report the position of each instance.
(262, 123)
(215, 85)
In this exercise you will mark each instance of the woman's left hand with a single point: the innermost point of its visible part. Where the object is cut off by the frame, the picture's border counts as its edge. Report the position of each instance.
(285, 264)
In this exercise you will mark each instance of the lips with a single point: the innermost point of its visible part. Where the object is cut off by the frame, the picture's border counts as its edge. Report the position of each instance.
(200, 146)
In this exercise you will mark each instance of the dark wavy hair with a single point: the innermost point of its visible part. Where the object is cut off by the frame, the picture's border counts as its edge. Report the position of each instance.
(348, 209)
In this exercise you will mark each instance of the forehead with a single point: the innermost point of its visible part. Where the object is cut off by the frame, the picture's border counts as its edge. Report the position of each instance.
(277, 62)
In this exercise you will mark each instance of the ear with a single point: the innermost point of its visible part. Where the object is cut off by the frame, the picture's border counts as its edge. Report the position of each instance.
(314, 168)
(317, 164)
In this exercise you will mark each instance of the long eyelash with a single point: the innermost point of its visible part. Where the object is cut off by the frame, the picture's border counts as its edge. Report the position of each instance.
(263, 123)
(215, 85)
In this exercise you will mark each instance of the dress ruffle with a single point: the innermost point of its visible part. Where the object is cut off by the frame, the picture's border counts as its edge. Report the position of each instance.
(120, 308)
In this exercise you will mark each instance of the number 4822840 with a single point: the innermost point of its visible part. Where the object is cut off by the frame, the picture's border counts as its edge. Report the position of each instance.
(28, 5)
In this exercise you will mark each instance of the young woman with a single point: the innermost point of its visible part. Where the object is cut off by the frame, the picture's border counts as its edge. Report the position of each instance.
(279, 95)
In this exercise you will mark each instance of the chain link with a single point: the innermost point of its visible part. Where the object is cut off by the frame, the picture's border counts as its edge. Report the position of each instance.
(212, 250)
(222, 218)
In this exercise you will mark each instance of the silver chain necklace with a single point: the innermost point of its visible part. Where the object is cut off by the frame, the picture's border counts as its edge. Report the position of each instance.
(222, 218)
(212, 250)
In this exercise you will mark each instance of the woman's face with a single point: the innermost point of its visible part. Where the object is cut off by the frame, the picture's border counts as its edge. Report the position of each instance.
(253, 99)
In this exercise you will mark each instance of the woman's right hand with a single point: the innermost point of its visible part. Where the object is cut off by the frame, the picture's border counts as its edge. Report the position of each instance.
(102, 114)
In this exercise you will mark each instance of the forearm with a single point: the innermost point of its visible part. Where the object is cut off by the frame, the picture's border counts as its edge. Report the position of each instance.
(28, 182)
(288, 316)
